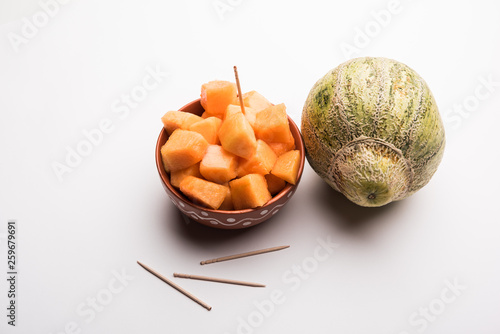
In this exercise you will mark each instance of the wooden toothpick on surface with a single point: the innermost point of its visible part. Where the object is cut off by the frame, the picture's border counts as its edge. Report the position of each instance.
(239, 89)
(175, 286)
(237, 256)
(219, 280)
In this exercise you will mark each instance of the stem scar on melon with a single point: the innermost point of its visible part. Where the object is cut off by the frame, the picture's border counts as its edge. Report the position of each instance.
(372, 130)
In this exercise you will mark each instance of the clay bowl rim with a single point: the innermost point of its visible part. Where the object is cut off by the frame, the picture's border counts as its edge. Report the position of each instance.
(163, 137)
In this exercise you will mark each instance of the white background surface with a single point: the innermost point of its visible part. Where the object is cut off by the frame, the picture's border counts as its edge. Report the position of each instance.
(75, 234)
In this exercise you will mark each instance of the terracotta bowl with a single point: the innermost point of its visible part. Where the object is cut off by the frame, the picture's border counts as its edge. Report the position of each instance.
(234, 219)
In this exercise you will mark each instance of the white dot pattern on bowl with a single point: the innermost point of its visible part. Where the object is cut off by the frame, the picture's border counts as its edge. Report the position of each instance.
(203, 216)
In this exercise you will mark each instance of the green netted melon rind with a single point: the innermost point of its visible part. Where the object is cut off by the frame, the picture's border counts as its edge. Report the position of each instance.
(369, 100)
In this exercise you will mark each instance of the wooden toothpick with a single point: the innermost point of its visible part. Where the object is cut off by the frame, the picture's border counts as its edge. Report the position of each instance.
(219, 280)
(239, 89)
(175, 286)
(237, 256)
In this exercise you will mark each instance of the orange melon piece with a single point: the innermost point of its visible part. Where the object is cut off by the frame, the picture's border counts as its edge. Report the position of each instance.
(250, 113)
(271, 124)
(228, 201)
(231, 110)
(177, 176)
(217, 95)
(255, 101)
(287, 166)
(208, 128)
(183, 149)
(280, 148)
(249, 191)
(274, 183)
(237, 136)
(218, 165)
(175, 119)
(203, 192)
(260, 163)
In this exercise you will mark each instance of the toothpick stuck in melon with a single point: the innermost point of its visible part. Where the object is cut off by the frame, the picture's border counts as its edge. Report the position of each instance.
(240, 95)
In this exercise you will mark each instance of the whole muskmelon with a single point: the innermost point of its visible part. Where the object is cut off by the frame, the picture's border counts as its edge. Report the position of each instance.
(372, 130)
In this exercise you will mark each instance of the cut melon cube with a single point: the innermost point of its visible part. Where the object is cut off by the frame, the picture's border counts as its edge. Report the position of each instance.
(271, 124)
(287, 166)
(255, 101)
(260, 163)
(203, 192)
(228, 201)
(250, 113)
(249, 191)
(174, 120)
(217, 95)
(237, 136)
(231, 110)
(280, 148)
(274, 184)
(208, 128)
(183, 149)
(177, 176)
(218, 165)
